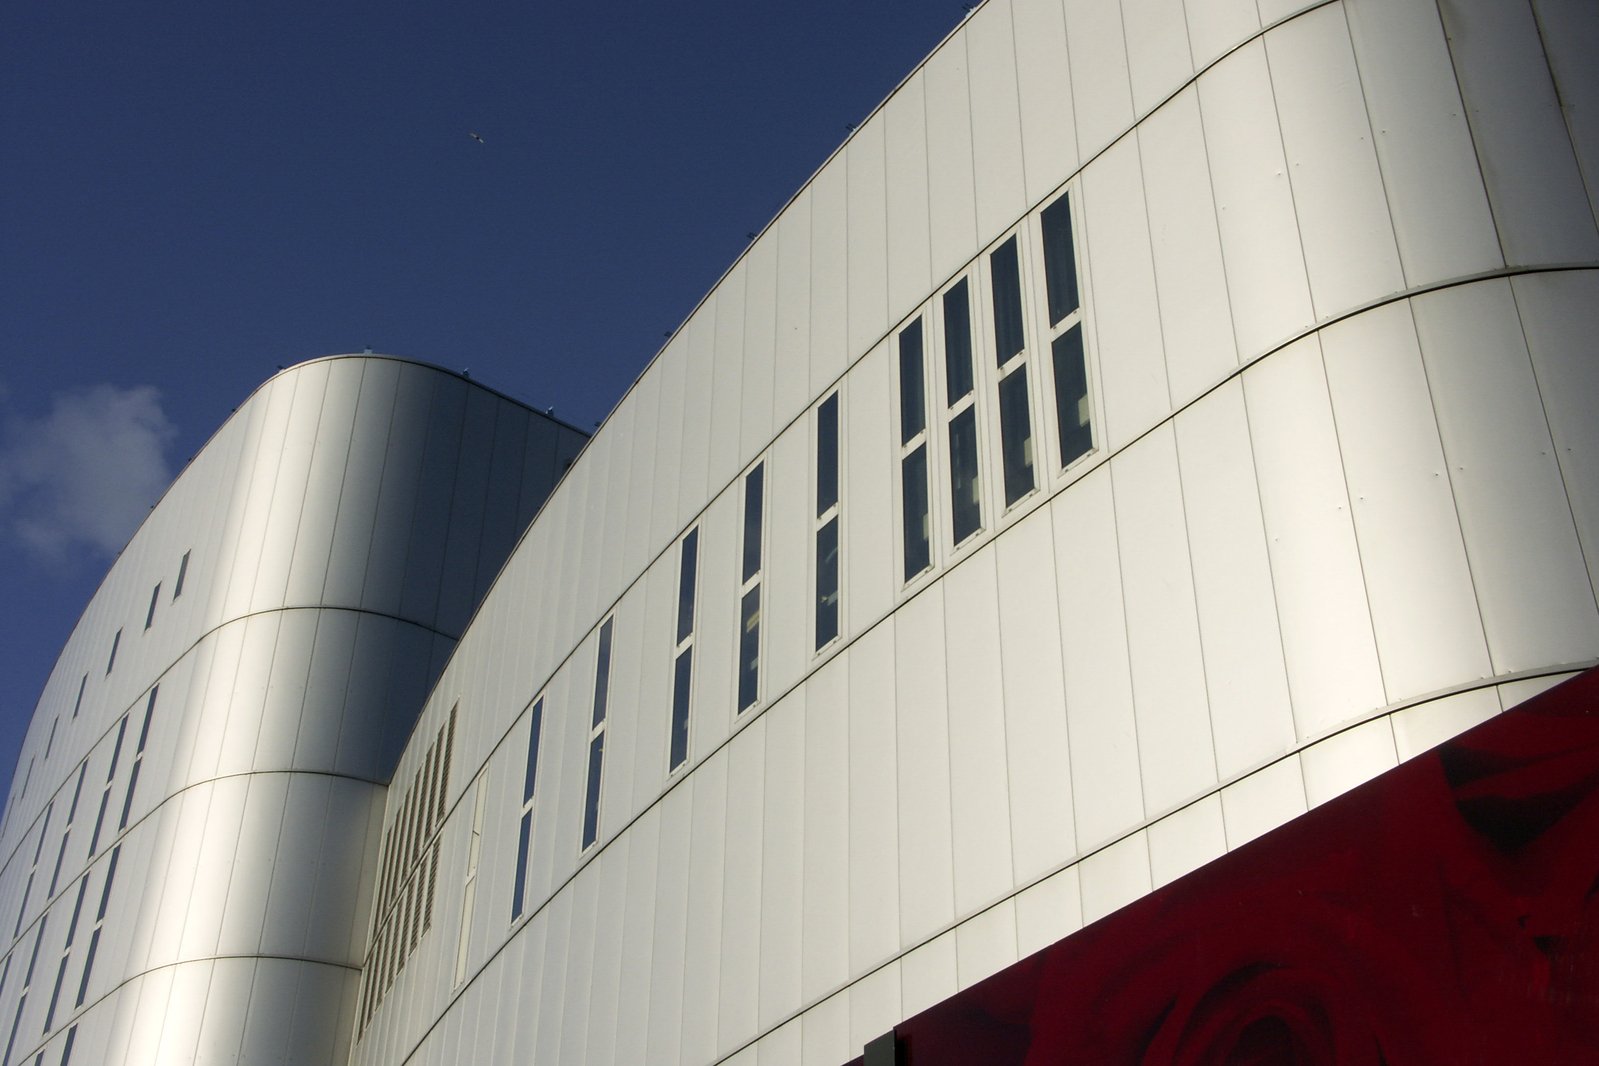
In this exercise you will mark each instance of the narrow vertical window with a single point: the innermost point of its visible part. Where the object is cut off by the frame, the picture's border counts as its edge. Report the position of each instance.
(111, 660)
(33, 869)
(50, 742)
(78, 705)
(683, 653)
(1010, 352)
(602, 682)
(138, 759)
(474, 852)
(99, 923)
(1070, 368)
(827, 521)
(524, 830)
(66, 954)
(66, 834)
(105, 793)
(749, 626)
(155, 598)
(965, 480)
(27, 983)
(914, 512)
(183, 572)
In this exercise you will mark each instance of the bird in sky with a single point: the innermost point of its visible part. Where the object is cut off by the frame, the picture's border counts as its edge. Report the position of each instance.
(476, 136)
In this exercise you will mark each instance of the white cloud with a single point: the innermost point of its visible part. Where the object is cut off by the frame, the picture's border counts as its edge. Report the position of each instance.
(84, 475)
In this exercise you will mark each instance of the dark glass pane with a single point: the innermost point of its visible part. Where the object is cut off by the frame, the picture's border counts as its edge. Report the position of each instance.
(110, 879)
(957, 343)
(1071, 396)
(149, 709)
(685, 585)
(127, 801)
(88, 967)
(682, 679)
(591, 797)
(966, 508)
(749, 648)
(826, 454)
(827, 583)
(183, 572)
(530, 778)
(754, 488)
(912, 389)
(918, 543)
(1016, 436)
(1005, 275)
(519, 888)
(602, 674)
(1060, 265)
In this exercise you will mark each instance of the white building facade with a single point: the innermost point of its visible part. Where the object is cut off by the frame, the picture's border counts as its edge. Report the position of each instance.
(1156, 419)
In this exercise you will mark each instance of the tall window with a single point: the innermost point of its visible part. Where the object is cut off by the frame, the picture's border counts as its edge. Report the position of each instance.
(83, 683)
(960, 413)
(749, 594)
(602, 683)
(111, 660)
(99, 923)
(33, 869)
(683, 654)
(915, 520)
(1011, 354)
(138, 759)
(474, 852)
(183, 572)
(155, 598)
(827, 521)
(1066, 333)
(524, 832)
(105, 794)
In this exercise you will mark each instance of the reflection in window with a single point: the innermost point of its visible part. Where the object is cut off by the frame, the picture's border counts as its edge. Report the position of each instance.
(827, 521)
(602, 682)
(183, 572)
(914, 512)
(1060, 266)
(827, 582)
(524, 833)
(1068, 363)
(1005, 275)
(913, 496)
(957, 343)
(1016, 436)
(683, 654)
(1071, 396)
(966, 508)
(749, 628)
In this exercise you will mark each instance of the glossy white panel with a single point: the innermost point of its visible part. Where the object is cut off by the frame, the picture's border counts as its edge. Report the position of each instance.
(1217, 26)
(791, 385)
(285, 691)
(248, 698)
(1245, 676)
(252, 503)
(830, 288)
(703, 939)
(759, 341)
(1333, 674)
(1107, 794)
(1186, 839)
(1570, 37)
(1115, 876)
(1423, 608)
(1560, 318)
(290, 899)
(1048, 911)
(868, 235)
(741, 888)
(638, 938)
(873, 802)
(1347, 759)
(1101, 90)
(618, 512)
(952, 195)
(869, 458)
(436, 491)
(1350, 254)
(996, 118)
(1537, 602)
(927, 974)
(1512, 693)
(699, 376)
(926, 859)
(148, 1001)
(905, 180)
(1435, 191)
(624, 706)
(224, 821)
(1040, 810)
(319, 1022)
(985, 943)
(1538, 199)
(672, 364)
(782, 855)
(177, 1028)
(646, 400)
(716, 624)
(1189, 280)
(1126, 313)
(316, 745)
(552, 990)
(785, 579)
(288, 497)
(654, 695)
(397, 492)
(1157, 50)
(727, 383)
(1255, 208)
(824, 1032)
(334, 928)
(780, 1047)
(1263, 801)
(1426, 725)
(181, 831)
(1043, 78)
(824, 948)
(1175, 751)
(361, 483)
(874, 1005)
(578, 977)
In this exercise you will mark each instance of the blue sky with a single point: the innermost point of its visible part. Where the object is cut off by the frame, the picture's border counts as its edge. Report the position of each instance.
(195, 194)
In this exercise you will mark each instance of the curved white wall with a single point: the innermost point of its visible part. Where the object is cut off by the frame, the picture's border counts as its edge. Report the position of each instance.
(1338, 271)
